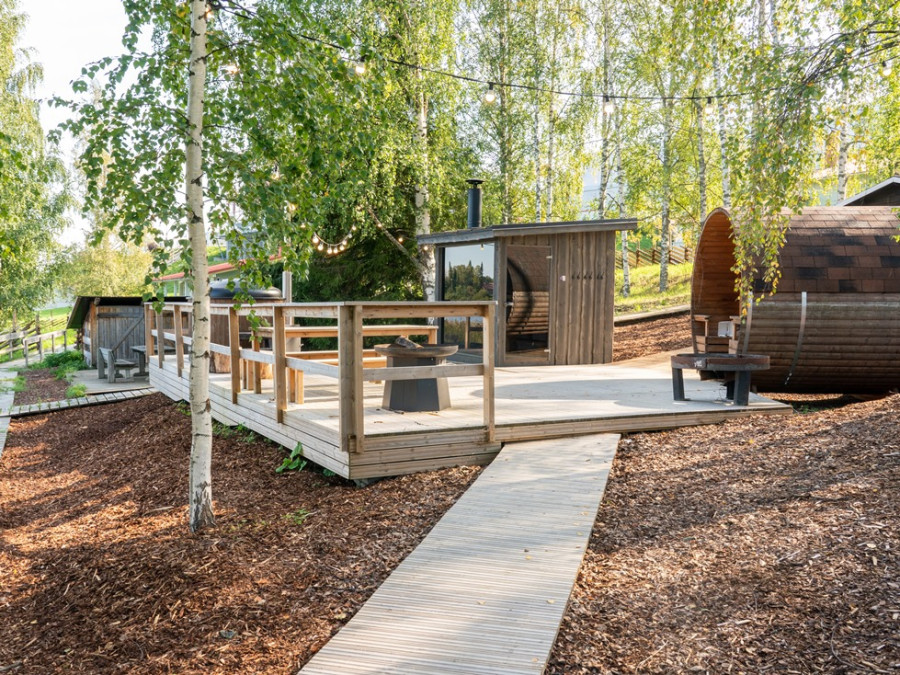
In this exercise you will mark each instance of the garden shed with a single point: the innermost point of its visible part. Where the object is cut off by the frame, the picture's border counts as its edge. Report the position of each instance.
(109, 322)
(554, 283)
(834, 323)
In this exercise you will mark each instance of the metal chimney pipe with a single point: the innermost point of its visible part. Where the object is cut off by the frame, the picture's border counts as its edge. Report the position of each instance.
(474, 202)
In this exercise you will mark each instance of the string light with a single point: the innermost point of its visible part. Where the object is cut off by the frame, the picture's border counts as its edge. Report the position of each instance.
(886, 69)
(491, 94)
(232, 69)
(708, 109)
(359, 68)
(608, 106)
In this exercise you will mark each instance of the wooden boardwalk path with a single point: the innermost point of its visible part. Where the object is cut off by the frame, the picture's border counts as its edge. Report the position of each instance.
(486, 590)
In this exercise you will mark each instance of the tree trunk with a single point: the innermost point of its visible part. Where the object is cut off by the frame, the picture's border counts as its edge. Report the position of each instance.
(622, 189)
(843, 151)
(701, 161)
(843, 145)
(423, 210)
(666, 195)
(201, 513)
(723, 135)
(538, 210)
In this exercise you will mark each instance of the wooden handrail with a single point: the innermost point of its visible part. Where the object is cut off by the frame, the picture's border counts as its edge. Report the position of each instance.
(351, 325)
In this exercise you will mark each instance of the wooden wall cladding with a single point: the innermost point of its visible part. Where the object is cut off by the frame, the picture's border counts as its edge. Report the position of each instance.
(834, 324)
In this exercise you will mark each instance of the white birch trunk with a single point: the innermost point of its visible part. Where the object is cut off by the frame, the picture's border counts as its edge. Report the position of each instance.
(423, 210)
(666, 195)
(538, 208)
(723, 135)
(201, 513)
(843, 151)
(622, 189)
(701, 161)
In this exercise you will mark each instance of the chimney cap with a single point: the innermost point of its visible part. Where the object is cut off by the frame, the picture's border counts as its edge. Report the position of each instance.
(474, 182)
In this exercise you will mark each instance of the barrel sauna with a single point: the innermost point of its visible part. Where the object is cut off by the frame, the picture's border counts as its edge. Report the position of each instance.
(834, 323)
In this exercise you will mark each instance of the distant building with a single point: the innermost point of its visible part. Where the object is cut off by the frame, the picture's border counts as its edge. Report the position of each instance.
(886, 193)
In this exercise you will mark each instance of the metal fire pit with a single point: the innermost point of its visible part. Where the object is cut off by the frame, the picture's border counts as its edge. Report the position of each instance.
(426, 395)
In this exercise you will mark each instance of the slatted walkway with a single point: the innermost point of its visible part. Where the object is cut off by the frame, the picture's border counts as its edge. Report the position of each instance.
(6, 401)
(486, 590)
(91, 399)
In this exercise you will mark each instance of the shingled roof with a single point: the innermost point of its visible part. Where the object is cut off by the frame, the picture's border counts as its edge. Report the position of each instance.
(846, 249)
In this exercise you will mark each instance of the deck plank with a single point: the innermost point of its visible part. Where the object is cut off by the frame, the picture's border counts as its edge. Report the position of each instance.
(486, 590)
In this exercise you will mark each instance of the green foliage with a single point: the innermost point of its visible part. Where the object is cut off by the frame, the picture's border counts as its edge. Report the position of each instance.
(645, 295)
(18, 384)
(108, 267)
(297, 517)
(76, 391)
(32, 198)
(70, 358)
(294, 461)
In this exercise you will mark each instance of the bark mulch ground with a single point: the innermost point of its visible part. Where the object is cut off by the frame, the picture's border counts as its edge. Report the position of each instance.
(651, 337)
(759, 545)
(98, 573)
(41, 386)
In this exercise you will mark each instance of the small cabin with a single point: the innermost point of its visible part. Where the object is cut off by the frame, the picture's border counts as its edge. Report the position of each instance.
(554, 284)
(110, 323)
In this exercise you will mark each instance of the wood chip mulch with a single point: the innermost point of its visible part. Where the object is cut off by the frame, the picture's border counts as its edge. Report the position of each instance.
(41, 386)
(651, 337)
(98, 573)
(767, 545)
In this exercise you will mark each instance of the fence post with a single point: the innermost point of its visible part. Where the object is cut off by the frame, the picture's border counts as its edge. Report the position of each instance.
(179, 340)
(350, 379)
(279, 368)
(235, 345)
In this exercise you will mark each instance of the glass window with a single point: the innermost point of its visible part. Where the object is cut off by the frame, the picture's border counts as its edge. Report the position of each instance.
(468, 274)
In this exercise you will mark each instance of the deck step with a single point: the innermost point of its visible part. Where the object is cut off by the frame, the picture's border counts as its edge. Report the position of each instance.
(486, 590)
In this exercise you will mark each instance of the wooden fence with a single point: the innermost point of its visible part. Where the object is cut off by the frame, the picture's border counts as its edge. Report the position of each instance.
(653, 256)
(169, 337)
(34, 338)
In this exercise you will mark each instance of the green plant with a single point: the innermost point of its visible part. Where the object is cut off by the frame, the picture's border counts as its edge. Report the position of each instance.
(328, 473)
(18, 384)
(297, 517)
(76, 391)
(293, 462)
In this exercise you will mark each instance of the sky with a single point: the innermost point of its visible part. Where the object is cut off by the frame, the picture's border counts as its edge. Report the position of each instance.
(65, 35)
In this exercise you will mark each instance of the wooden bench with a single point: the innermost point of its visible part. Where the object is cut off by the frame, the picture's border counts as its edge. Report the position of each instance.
(737, 367)
(112, 368)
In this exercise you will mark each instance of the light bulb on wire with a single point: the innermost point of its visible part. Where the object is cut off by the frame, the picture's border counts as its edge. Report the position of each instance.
(708, 109)
(491, 94)
(886, 69)
(608, 106)
(359, 68)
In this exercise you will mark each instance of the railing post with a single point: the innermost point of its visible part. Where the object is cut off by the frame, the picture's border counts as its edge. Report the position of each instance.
(350, 387)
(179, 337)
(488, 362)
(279, 369)
(234, 342)
(148, 330)
(160, 337)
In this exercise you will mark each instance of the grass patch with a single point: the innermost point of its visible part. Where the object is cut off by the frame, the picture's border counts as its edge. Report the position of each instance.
(645, 295)
(18, 384)
(76, 391)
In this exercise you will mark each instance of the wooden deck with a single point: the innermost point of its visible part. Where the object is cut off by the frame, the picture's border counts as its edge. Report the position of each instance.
(332, 407)
(486, 590)
(531, 403)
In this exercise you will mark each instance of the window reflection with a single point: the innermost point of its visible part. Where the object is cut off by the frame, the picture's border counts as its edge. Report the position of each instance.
(468, 274)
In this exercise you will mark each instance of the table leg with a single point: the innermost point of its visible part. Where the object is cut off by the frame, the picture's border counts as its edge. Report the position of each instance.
(678, 384)
(742, 388)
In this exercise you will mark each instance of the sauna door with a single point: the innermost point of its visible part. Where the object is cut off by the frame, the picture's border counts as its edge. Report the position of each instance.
(527, 305)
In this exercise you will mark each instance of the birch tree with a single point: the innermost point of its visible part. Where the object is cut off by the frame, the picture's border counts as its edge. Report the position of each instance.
(235, 114)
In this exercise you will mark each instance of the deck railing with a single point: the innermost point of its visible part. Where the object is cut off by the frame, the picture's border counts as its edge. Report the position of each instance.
(349, 323)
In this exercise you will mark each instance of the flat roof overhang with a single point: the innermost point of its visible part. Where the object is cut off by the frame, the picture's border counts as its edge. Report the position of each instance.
(482, 234)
